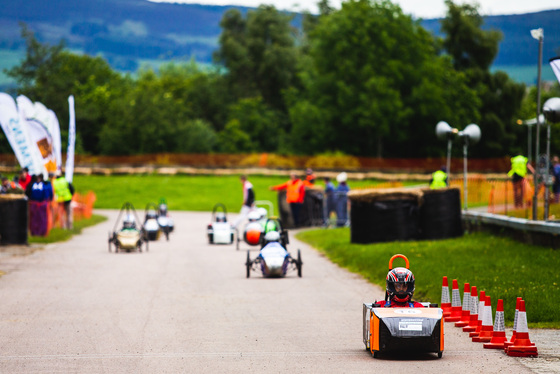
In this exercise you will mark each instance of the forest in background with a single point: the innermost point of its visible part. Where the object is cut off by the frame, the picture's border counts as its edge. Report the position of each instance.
(328, 87)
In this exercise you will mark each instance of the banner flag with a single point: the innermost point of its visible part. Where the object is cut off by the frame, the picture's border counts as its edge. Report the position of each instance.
(16, 133)
(37, 118)
(555, 63)
(69, 172)
(57, 145)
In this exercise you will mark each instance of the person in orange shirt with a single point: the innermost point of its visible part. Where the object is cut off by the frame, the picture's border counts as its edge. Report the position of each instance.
(295, 193)
(309, 178)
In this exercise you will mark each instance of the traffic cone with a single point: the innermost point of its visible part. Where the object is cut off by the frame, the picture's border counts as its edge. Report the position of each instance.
(510, 342)
(473, 321)
(445, 300)
(487, 327)
(455, 304)
(499, 334)
(522, 345)
(481, 300)
(466, 311)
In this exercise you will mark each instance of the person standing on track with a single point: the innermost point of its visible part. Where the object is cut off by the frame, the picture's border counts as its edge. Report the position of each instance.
(248, 200)
(295, 194)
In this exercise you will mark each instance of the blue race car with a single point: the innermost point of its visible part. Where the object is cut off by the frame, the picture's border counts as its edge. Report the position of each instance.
(273, 259)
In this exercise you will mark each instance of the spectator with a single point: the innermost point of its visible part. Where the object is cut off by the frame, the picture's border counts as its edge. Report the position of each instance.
(295, 193)
(24, 178)
(330, 204)
(5, 187)
(248, 200)
(439, 179)
(39, 190)
(309, 178)
(9, 186)
(63, 191)
(48, 188)
(342, 200)
(556, 175)
(29, 187)
(38, 206)
(519, 167)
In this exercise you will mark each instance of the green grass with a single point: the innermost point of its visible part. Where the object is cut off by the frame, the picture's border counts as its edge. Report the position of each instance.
(183, 192)
(60, 235)
(504, 268)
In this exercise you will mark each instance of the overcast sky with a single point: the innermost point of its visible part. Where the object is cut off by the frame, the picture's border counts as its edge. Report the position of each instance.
(418, 8)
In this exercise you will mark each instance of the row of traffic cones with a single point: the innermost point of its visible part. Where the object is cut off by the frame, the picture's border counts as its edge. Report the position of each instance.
(475, 317)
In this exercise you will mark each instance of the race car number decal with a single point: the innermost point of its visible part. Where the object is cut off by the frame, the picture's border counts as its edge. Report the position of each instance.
(410, 325)
(407, 311)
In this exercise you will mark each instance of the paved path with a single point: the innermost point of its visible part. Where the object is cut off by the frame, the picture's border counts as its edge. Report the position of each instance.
(187, 307)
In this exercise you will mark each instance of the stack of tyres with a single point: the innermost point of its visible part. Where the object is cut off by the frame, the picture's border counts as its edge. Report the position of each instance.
(383, 217)
(440, 214)
(14, 219)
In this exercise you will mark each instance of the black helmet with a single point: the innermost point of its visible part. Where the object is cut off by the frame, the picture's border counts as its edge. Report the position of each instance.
(400, 285)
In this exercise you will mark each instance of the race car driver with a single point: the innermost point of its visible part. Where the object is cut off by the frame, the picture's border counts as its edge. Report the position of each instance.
(400, 288)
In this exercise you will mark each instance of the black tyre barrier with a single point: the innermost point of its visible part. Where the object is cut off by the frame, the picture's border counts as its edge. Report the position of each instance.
(440, 214)
(384, 221)
(14, 221)
(405, 214)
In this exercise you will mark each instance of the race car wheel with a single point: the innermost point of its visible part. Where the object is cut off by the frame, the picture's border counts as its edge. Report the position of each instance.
(147, 246)
(117, 247)
(210, 238)
(109, 241)
(139, 247)
(299, 264)
(439, 354)
(248, 264)
(167, 235)
(375, 354)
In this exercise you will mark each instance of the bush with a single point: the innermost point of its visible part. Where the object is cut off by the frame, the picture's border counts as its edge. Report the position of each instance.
(336, 160)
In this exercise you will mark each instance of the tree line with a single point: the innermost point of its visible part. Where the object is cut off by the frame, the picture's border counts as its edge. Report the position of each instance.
(365, 80)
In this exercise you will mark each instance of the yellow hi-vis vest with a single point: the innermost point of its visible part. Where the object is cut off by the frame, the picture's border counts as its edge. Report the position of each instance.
(518, 166)
(438, 180)
(62, 190)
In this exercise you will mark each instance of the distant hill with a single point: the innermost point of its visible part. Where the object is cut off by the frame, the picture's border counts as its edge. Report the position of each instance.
(518, 54)
(131, 32)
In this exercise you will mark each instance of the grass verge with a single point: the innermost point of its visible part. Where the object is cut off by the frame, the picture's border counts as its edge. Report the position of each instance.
(183, 192)
(60, 235)
(504, 268)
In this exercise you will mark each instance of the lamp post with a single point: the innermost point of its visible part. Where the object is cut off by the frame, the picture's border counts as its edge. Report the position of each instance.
(537, 34)
(551, 109)
(529, 140)
(470, 135)
(444, 131)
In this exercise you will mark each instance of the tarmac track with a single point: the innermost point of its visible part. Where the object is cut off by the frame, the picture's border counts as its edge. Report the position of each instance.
(187, 307)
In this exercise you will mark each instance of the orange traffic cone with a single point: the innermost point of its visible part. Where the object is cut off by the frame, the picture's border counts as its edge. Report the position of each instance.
(487, 327)
(455, 304)
(466, 311)
(522, 345)
(499, 334)
(481, 300)
(445, 300)
(510, 342)
(473, 321)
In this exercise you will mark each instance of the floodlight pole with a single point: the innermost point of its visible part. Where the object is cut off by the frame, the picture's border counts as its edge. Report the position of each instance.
(465, 190)
(529, 143)
(448, 166)
(546, 187)
(539, 35)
